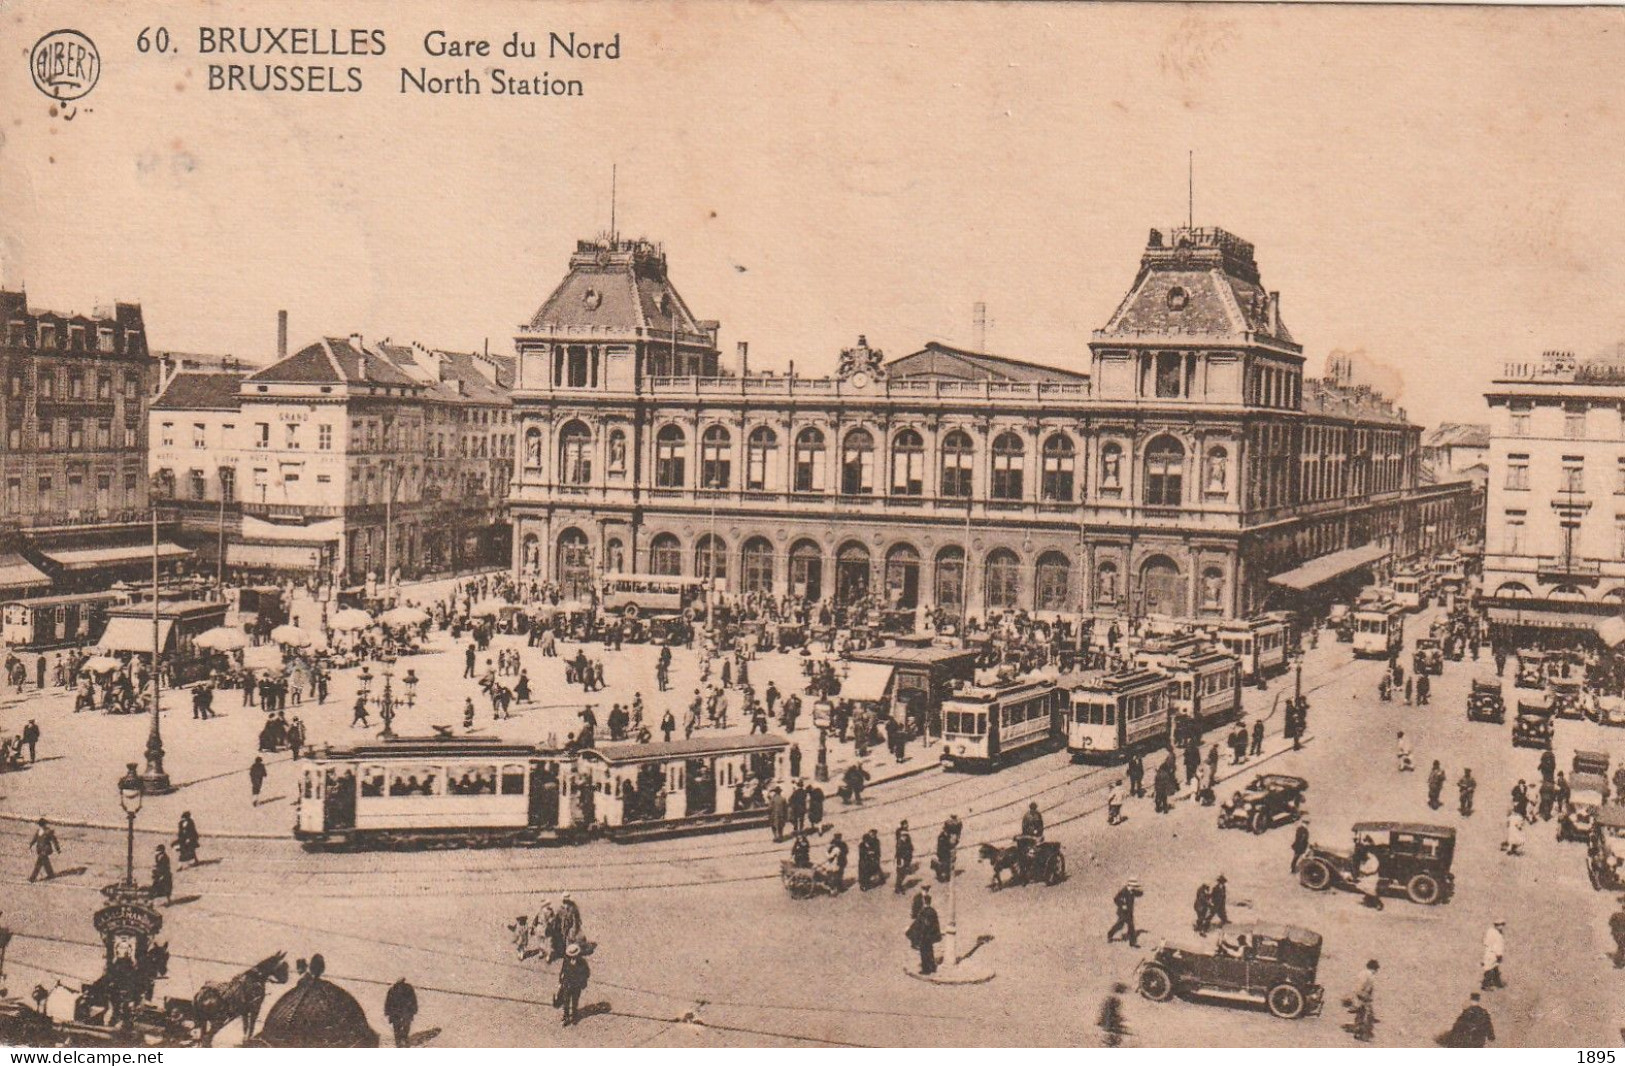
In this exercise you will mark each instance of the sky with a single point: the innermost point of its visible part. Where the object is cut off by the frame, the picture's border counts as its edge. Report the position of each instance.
(1441, 189)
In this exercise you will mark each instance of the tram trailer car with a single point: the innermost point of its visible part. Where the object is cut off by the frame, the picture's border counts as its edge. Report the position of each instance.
(446, 791)
(1207, 688)
(1260, 644)
(1110, 716)
(1379, 631)
(987, 727)
(56, 621)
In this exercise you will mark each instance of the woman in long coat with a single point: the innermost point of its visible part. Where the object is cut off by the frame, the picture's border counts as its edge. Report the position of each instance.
(187, 839)
(163, 880)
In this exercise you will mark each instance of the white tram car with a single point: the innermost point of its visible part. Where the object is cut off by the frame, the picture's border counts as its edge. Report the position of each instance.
(1259, 643)
(986, 727)
(1113, 715)
(1379, 631)
(1207, 687)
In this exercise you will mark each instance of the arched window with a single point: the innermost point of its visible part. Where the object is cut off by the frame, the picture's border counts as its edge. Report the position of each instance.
(858, 464)
(950, 578)
(809, 460)
(616, 465)
(903, 577)
(666, 555)
(851, 573)
(806, 570)
(1054, 582)
(958, 457)
(907, 464)
(533, 448)
(575, 454)
(761, 460)
(1217, 482)
(1009, 461)
(716, 466)
(1002, 582)
(1106, 583)
(711, 559)
(1059, 462)
(1162, 587)
(756, 565)
(573, 566)
(669, 444)
(1164, 466)
(1513, 590)
(1111, 468)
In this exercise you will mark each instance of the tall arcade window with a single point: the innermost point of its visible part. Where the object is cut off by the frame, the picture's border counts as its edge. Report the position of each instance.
(716, 466)
(1164, 463)
(908, 464)
(858, 464)
(756, 566)
(1009, 462)
(761, 455)
(1053, 582)
(809, 473)
(1059, 461)
(1003, 580)
(665, 555)
(711, 558)
(669, 458)
(575, 454)
(958, 457)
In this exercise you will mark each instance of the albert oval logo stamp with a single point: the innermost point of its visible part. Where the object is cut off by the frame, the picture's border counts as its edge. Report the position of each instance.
(65, 65)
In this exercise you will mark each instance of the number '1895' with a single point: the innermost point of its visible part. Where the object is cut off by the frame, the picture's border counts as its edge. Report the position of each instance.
(1595, 1058)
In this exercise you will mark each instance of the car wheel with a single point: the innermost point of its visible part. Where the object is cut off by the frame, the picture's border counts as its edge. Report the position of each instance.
(1260, 822)
(1422, 889)
(1155, 984)
(1057, 871)
(1315, 875)
(1285, 1001)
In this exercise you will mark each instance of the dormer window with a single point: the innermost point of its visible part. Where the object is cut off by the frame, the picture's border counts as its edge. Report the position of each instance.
(592, 298)
(1177, 298)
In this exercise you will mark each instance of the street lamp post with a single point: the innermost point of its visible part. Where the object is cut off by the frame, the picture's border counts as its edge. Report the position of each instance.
(154, 779)
(220, 527)
(130, 792)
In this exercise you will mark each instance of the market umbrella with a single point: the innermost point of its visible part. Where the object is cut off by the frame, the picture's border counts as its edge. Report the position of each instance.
(350, 618)
(404, 616)
(487, 609)
(222, 638)
(291, 635)
(263, 657)
(99, 664)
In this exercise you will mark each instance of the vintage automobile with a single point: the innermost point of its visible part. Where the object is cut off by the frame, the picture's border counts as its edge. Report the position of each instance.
(1268, 800)
(1567, 697)
(1484, 702)
(1587, 792)
(1533, 726)
(1429, 657)
(1531, 672)
(1340, 619)
(1608, 710)
(1260, 963)
(1413, 861)
(1605, 850)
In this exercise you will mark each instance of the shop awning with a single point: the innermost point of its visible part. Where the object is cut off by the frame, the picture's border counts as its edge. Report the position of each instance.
(866, 681)
(92, 558)
(1321, 570)
(124, 633)
(1535, 618)
(18, 573)
(277, 556)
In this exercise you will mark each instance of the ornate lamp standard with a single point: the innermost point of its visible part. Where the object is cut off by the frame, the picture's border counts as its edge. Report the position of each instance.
(130, 793)
(154, 780)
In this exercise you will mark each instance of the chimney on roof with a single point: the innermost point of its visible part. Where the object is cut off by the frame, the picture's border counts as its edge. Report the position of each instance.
(1275, 313)
(355, 341)
(744, 359)
(281, 335)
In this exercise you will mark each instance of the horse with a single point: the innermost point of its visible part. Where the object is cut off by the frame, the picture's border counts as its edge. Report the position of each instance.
(1002, 859)
(114, 996)
(219, 1003)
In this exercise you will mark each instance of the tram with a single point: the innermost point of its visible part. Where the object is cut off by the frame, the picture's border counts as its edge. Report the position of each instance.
(448, 791)
(986, 727)
(1259, 643)
(1158, 653)
(1379, 631)
(1206, 688)
(56, 621)
(1114, 715)
(1412, 589)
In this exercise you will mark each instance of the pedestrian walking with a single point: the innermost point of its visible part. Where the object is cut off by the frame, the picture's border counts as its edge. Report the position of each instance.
(1114, 803)
(778, 812)
(1465, 787)
(798, 807)
(924, 932)
(573, 977)
(870, 873)
(1362, 1004)
(1513, 845)
(256, 777)
(44, 845)
(1124, 903)
(903, 854)
(1495, 949)
(1436, 780)
(1402, 749)
(400, 1007)
(163, 879)
(1218, 901)
(1258, 738)
(1136, 775)
(1300, 844)
(1204, 912)
(31, 734)
(187, 839)
(815, 808)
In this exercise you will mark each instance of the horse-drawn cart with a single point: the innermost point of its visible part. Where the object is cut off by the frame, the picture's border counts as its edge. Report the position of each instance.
(1027, 861)
(804, 882)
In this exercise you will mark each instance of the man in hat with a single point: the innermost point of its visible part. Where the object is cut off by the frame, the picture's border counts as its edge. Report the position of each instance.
(400, 1007)
(1217, 900)
(903, 853)
(573, 976)
(798, 807)
(778, 812)
(1473, 1027)
(256, 777)
(44, 845)
(31, 737)
(836, 857)
(924, 932)
(1124, 902)
(569, 920)
(1495, 949)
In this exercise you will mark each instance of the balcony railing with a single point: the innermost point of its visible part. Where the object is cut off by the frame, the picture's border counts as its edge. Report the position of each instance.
(1568, 566)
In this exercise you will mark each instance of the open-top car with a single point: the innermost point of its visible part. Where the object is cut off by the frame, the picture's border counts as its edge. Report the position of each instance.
(1605, 850)
(1413, 860)
(1533, 726)
(1587, 792)
(1268, 800)
(1275, 965)
(1484, 702)
(1429, 657)
(1567, 696)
